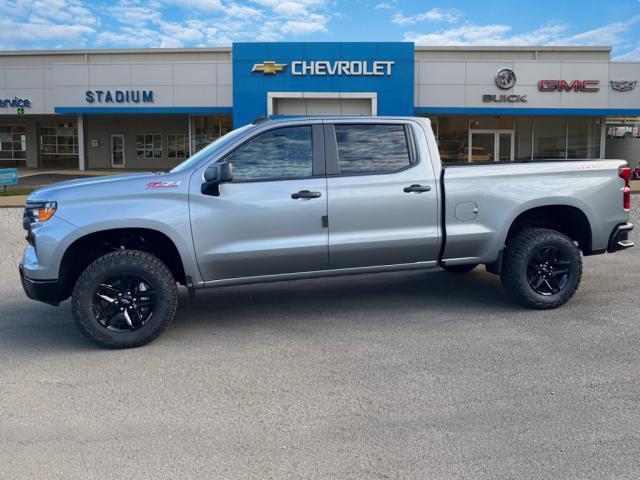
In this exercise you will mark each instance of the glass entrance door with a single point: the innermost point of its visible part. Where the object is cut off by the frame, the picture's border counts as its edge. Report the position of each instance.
(117, 151)
(490, 146)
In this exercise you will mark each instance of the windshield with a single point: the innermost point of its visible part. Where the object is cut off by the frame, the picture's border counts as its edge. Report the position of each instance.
(210, 149)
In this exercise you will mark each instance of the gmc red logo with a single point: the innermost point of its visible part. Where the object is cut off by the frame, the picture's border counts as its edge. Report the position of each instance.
(564, 86)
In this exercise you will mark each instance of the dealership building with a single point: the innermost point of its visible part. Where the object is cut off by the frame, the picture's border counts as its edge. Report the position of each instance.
(151, 108)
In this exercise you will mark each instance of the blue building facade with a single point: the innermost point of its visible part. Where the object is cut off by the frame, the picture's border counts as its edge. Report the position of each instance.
(384, 69)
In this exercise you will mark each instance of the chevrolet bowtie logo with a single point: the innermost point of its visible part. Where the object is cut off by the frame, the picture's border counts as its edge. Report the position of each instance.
(269, 67)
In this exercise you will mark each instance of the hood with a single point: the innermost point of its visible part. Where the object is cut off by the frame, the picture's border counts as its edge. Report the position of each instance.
(50, 192)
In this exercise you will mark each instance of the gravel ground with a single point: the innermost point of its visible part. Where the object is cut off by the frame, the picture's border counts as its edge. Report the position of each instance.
(411, 375)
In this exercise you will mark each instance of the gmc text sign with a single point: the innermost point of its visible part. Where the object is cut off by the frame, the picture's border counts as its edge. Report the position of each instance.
(573, 86)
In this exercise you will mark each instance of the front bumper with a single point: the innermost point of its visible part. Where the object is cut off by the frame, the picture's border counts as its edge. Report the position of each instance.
(619, 239)
(41, 290)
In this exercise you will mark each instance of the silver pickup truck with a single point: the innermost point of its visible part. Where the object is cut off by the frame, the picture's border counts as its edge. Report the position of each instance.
(310, 197)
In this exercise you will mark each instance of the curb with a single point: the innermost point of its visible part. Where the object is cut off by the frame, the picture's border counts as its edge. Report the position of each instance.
(16, 201)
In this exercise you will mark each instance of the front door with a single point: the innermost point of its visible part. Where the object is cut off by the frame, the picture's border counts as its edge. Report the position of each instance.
(383, 198)
(490, 146)
(117, 151)
(271, 219)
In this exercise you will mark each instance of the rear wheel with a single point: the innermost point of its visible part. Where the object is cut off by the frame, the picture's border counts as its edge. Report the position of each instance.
(460, 268)
(542, 268)
(124, 299)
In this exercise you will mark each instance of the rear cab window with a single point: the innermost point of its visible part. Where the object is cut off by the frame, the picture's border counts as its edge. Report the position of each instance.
(367, 149)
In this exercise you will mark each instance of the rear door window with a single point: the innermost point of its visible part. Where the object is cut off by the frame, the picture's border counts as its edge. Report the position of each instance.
(370, 149)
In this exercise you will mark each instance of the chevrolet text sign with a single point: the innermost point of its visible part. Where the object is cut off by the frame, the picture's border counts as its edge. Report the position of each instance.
(342, 67)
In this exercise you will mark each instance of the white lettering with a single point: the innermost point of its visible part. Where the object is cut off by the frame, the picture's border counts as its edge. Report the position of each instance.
(342, 67)
(321, 68)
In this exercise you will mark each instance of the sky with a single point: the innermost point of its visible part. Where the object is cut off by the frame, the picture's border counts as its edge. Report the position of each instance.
(73, 24)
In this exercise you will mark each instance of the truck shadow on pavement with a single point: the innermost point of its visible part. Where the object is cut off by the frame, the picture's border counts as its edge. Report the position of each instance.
(416, 296)
(425, 297)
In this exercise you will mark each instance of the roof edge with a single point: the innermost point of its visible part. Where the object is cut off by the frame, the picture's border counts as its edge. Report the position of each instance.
(107, 51)
(511, 48)
(418, 48)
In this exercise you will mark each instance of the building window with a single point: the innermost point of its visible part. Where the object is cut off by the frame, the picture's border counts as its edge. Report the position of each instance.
(453, 136)
(549, 138)
(583, 137)
(207, 128)
(524, 138)
(178, 146)
(148, 145)
(13, 145)
(59, 145)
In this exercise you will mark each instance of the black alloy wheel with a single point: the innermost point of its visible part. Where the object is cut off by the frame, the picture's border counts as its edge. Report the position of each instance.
(124, 303)
(548, 270)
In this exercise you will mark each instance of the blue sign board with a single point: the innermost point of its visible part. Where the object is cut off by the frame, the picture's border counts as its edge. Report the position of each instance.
(8, 176)
(383, 68)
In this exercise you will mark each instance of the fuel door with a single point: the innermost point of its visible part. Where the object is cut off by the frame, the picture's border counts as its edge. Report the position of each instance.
(466, 211)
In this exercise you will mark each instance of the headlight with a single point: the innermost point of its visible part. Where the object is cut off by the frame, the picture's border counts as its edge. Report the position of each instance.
(38, 212)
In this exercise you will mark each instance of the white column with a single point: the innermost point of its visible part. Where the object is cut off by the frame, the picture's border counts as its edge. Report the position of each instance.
(603, 137)
(81, 143)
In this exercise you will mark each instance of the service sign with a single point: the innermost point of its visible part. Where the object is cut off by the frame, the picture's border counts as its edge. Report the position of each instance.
(8, 176)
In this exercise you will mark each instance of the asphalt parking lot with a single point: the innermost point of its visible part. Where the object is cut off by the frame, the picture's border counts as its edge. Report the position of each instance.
(409, 375)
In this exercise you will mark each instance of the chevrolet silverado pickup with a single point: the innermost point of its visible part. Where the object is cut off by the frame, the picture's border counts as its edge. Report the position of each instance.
(309, 197)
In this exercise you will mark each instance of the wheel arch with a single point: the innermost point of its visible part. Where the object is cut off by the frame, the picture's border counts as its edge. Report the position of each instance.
(568, 219)
(91, 246)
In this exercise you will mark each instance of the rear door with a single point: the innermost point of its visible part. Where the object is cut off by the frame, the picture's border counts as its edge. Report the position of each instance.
(382, 195)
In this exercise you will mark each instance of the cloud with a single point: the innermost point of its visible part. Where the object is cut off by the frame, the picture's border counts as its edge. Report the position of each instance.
(36, 24)
(204, 5)
(501, 34)
(630, 55)
(610, 34)
(314, 23)
(433, 15)
(43, 24)
(384, 6)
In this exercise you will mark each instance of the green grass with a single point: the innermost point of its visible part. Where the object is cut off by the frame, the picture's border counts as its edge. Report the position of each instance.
(15, 191)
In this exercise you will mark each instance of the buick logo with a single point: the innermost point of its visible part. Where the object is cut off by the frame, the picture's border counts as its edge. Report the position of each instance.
(505, 79)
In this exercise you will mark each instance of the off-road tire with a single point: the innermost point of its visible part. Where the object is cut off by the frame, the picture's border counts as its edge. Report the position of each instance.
(517, 254)
(460, 268)
(125, 261)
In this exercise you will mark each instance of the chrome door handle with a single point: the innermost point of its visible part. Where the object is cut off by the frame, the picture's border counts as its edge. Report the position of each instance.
(417, 188)
(305, 194)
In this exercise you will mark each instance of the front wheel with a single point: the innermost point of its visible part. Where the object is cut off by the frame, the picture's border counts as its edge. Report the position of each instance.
(124, 299)
(541, 268)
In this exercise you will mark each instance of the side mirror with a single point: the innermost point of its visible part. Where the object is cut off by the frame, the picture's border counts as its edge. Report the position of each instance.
(214, 175)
